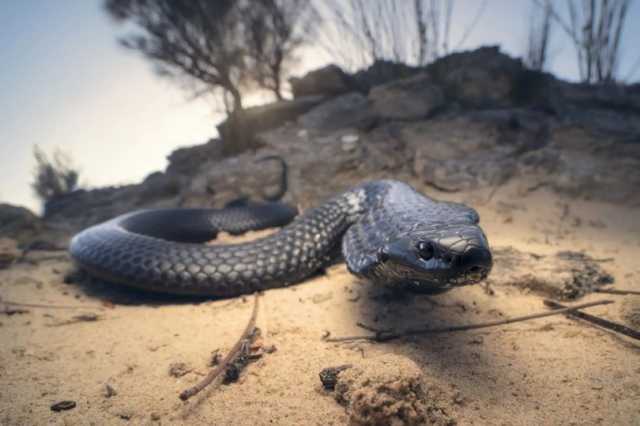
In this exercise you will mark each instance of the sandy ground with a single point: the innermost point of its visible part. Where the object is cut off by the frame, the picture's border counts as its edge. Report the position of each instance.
(116, 369)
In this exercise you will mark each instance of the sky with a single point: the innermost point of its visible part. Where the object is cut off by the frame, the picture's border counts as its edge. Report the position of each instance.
(66, 83)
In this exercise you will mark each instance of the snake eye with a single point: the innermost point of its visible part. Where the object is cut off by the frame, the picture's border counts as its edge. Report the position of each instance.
(425, 250)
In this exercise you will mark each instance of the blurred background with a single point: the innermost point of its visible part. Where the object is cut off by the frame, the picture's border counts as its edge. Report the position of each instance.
(69, 86)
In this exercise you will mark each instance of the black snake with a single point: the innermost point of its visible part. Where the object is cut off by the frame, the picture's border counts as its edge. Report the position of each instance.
(387, 232)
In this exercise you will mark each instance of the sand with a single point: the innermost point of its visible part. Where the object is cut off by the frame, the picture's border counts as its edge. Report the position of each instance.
(131, 354)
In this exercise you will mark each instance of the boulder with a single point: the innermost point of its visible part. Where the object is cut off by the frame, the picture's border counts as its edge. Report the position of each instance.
(240, 177)
(351, 110)
(327, 81)
(412, 98)
(483, 78)
(382, 72)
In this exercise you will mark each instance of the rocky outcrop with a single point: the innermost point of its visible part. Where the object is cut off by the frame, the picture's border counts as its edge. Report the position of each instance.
(470, 120)
(264, 117)
(471, 150)
(326, 81)
(350, 110)
(382, 72)
(483, 78)
(409, 99)
(220, 182)
(187, 160)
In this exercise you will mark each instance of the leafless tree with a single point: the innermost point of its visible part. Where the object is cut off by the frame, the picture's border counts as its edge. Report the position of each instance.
(220, 47)
(540, 31)
(53, 177)
(198, 39)
(356, 33)
(595, 28)
(226, 45)
(276, 28)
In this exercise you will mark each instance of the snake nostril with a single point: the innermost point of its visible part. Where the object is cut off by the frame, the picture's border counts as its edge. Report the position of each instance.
(475, 269)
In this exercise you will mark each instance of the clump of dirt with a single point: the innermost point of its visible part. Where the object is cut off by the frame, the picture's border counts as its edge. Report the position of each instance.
(631, 311)
(565, 275)
(391, 390)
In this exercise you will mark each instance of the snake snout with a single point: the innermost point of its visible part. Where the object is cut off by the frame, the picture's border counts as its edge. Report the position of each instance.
(475, 261)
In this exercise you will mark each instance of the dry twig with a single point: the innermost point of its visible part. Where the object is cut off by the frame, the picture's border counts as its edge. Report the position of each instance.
(228, 360)
(615, 291)
(601, 322)
(47, 306)
(384, 336)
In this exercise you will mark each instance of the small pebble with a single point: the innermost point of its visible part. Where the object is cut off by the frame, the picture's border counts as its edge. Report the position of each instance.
(63, 406)
(109, 391)
(329, 376)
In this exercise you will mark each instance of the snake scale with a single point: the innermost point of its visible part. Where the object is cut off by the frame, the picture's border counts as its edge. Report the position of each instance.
(387, 232)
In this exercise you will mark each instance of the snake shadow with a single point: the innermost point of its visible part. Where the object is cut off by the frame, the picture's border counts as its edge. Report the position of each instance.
(460, 356)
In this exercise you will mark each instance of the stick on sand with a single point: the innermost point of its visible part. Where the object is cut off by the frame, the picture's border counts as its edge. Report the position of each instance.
(384, 336)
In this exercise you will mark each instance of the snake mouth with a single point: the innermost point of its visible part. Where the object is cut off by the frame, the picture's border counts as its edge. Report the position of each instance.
(398, 263)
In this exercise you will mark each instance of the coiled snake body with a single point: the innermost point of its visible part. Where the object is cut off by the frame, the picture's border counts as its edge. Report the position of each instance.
(387, 231)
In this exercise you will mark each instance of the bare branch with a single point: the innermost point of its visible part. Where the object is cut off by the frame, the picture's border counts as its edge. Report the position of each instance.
(357, 32)
(596, 30)
(228, 360)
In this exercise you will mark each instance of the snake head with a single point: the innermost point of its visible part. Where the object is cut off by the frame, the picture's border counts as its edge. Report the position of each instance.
(433, 260)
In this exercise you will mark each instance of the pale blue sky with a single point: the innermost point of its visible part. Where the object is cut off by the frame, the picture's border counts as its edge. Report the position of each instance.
(65, 82)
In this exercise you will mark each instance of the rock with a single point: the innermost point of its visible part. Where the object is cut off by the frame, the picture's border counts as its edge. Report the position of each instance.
(564, 275)
(409, 99)
(327, 81)
(483, 78)
(391, 390)
(63, 406)
(187, 160)
(233, 178)
(9, 252)
(382, 72)
(324, 163)
(329, 376)
(346, 111)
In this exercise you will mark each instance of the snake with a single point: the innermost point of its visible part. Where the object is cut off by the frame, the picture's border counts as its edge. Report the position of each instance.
(385, 230)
